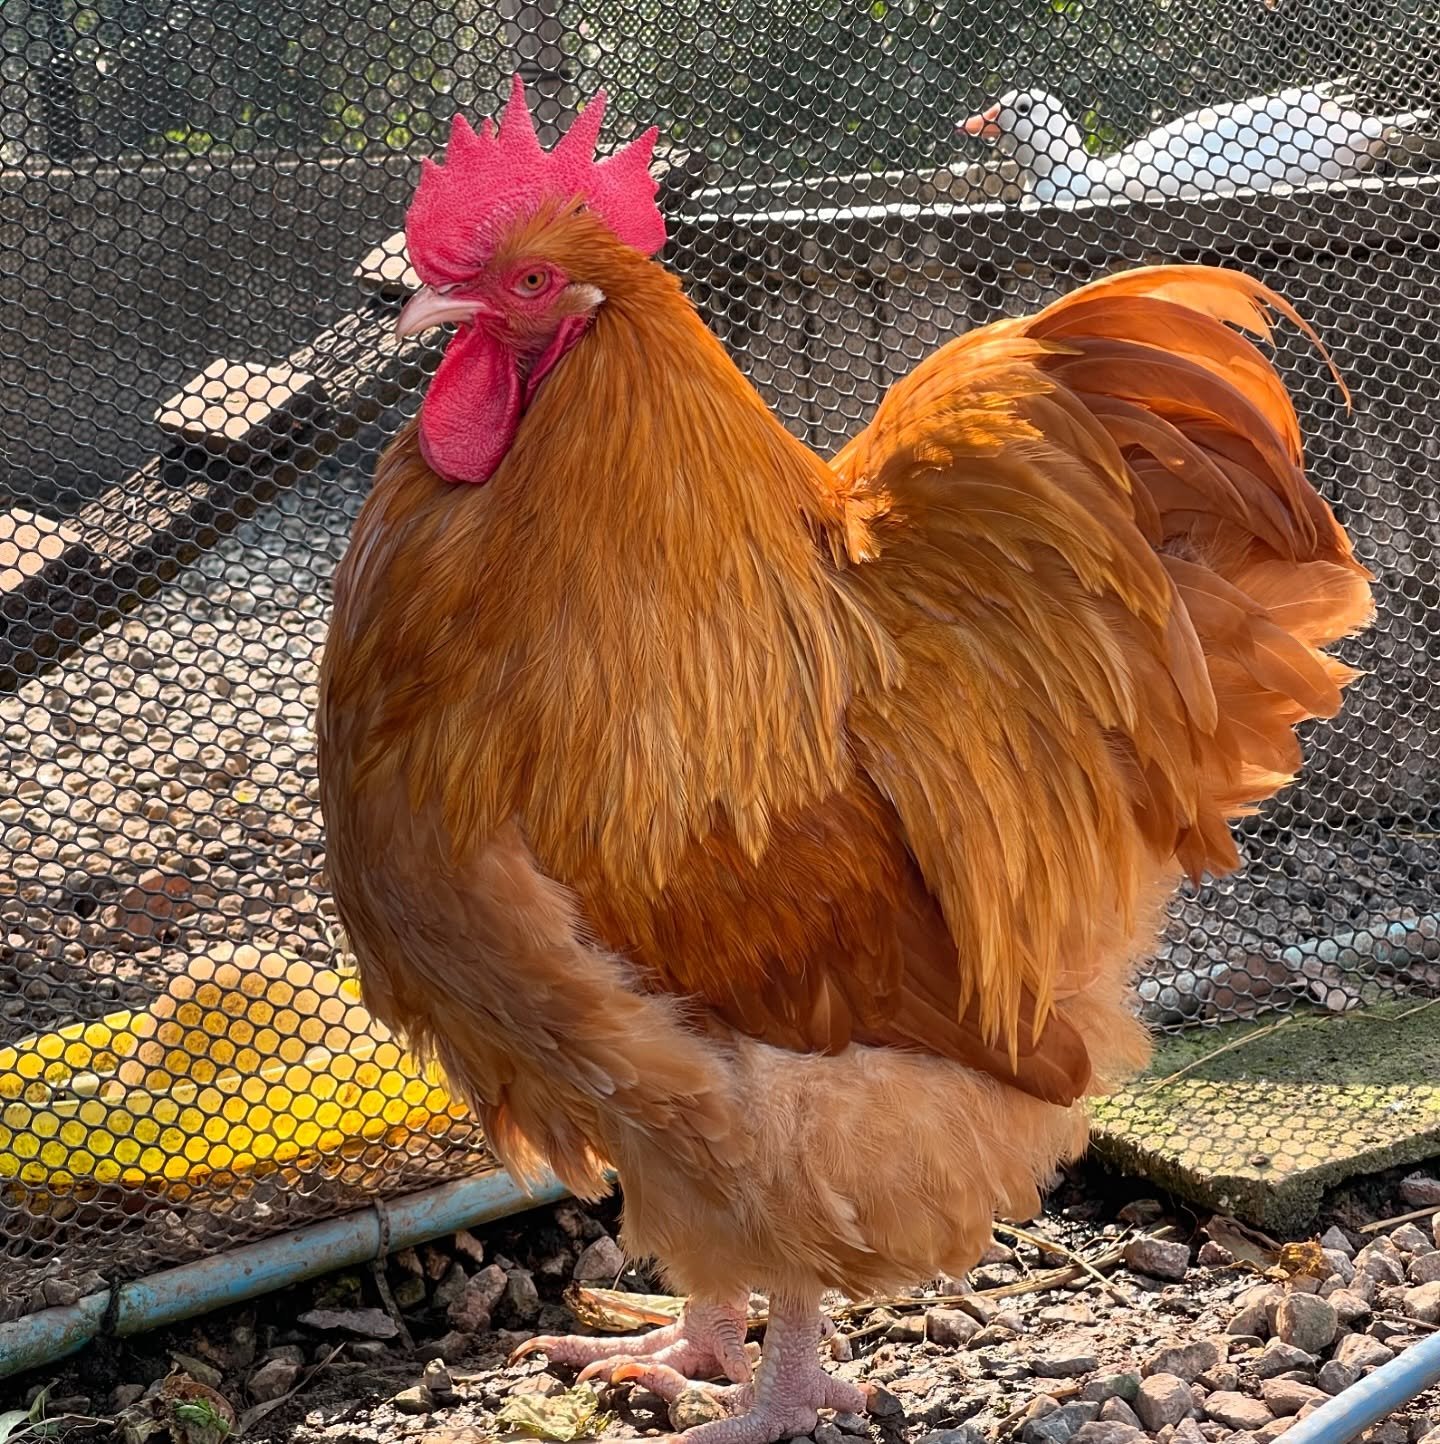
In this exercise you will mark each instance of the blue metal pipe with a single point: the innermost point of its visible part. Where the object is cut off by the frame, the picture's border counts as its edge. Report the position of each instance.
(1355, 1409)
(259, 1268)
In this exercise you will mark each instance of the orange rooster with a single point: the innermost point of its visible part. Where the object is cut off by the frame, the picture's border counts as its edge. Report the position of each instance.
(781, 833)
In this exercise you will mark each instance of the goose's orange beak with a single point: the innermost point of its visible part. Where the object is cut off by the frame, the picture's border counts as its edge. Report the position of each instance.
(984, 124)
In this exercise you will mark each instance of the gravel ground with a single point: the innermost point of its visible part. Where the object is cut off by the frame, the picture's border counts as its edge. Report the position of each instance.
(1201, 1333)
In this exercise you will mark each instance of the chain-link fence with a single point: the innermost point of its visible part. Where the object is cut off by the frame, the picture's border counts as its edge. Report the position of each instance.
(199, 206)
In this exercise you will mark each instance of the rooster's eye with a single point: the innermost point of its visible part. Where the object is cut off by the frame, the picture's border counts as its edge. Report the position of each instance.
(532, 282)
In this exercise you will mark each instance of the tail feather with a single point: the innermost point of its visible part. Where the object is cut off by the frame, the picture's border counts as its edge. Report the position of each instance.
(1264, 575)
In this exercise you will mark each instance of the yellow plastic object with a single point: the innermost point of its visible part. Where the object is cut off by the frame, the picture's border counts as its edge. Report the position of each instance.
(248, 1061)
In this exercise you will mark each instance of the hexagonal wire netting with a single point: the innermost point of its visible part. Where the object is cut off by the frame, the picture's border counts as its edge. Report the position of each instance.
(188, 188)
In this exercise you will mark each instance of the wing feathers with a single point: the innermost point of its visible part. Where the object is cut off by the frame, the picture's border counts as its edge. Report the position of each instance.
(1110, 581)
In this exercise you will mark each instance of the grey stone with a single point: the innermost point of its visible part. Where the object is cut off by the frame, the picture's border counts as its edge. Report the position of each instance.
(273, 1379)
(1307, 1322)
(965, 1434)
(1238, 1411)
(1342, 1266)
(1286, 1396)
(1190, 1431)
(472, 1312)
(1163, 1399)
(950, 1328)
(1058, 1425)
(1108, 1431)
(520, 1303)
(991, 1334)
(415, 1400)
(1385, 1266)
(1159, 1258)
(1280, 1357)
(1185, 1361)
(1046, 1429)
(1409, 1239)
(1253, 1314)
(1387, 1431)
(1116, 1411)
(1335, 1377)
(1419, 1190)
(1220, 1379)
(1112, 1386)
(1360, 1351)
(448, 1346)
(1064, 1366)
(601, 1262)
(1349, 1306)
(852, 1424)
(883, 1404)
(466, 1243)
(1273, 1430)
(450, 1290)
(1423, 1303)
(368, 1323)
(1335, 1237)
(695, 1406)
(1425, 1268)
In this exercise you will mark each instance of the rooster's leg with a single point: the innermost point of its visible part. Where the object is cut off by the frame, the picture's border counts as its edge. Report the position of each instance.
(789, 1387)
(707, 1342)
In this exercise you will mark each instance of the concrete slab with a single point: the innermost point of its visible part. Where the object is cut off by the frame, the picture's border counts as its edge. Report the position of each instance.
(1264, 1128)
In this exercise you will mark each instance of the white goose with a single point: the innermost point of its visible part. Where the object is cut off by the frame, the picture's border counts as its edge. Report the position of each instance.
(1293, 138)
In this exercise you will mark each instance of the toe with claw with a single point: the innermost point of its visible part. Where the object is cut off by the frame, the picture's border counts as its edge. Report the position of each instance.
(781, 1401)
(707, 1341)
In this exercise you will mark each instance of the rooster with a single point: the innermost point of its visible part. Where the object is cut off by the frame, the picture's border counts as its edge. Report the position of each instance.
(780, 833)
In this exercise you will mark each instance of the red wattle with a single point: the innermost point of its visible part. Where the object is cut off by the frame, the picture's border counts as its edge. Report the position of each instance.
(470, 413)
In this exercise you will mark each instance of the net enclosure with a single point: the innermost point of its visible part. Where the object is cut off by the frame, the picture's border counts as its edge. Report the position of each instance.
(199, 274)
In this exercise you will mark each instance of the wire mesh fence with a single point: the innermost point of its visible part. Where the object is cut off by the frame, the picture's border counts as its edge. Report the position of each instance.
(198, 279)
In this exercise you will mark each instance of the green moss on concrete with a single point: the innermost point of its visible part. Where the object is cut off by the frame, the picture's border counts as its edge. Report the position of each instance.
(1264, 1129)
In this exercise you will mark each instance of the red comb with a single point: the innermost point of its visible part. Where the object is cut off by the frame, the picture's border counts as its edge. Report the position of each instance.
(462, 208)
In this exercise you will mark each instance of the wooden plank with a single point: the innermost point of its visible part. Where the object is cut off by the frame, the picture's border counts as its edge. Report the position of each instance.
(386, 271)
(231, 403)
(885, 236)
(29, 543)
(138, 534)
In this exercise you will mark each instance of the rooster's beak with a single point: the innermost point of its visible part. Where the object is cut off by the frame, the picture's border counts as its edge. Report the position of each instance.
(983, 124)
(428, 308)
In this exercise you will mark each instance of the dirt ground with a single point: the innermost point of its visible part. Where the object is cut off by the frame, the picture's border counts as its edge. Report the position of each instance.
(1192, 1336)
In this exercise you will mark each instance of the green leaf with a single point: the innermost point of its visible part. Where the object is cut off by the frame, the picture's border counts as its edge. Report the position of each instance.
(572, 1415)
(11, 1421)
